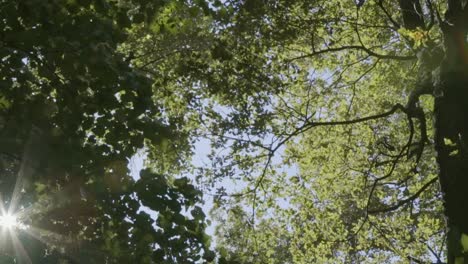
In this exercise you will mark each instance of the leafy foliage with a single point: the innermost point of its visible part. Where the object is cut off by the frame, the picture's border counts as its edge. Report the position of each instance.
(317, 110)
(344, 171)
(73, 110)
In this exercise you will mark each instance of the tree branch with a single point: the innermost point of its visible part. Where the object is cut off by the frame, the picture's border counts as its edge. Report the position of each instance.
(414, 111)
(405, 201)
(360, 120)
(355, 47)
(395, 24)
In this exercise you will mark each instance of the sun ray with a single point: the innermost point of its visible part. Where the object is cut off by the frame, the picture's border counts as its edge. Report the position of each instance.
(26, 211)
(43, 235)
(20, 251)
(25, 171)
(8, 221)
(59, 240)
(16, 218)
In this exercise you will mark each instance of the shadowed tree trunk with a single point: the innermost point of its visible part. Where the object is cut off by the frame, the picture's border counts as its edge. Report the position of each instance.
(451, 128)
(449, 83)
(451, 139)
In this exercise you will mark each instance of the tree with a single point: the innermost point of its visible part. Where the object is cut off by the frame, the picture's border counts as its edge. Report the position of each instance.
(72, 111)
(349, 94)
(323, 108)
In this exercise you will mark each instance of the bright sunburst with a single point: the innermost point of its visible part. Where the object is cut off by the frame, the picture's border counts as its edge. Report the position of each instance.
(8, 221)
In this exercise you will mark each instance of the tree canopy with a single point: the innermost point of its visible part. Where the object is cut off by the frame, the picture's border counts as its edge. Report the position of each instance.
(337, 131)
(73, 110)
(347, 171)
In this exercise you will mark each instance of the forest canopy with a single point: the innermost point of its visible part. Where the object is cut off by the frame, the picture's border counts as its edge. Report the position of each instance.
(336, 131)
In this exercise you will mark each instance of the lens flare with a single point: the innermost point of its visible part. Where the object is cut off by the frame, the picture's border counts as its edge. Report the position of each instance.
(8, 221)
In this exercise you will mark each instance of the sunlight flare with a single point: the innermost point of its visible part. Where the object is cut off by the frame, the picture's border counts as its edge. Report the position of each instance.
(8, 221)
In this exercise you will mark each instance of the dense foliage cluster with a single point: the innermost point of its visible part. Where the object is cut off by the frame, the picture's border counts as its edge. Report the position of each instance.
(347, 169)
(73, 111)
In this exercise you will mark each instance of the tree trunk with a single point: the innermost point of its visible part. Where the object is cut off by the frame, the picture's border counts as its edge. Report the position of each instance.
(451, 131)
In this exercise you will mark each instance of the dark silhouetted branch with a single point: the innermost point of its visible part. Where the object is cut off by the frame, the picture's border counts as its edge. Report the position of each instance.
(405, 201)
(354, 47)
